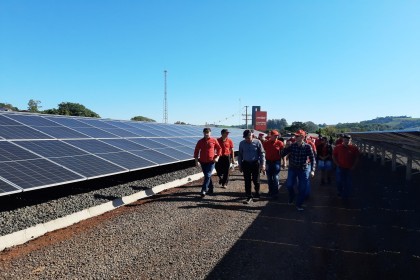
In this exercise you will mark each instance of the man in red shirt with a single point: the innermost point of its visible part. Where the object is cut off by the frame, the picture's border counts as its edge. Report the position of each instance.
(272, 149)
(227, 157)
(346, 157)
(206, 154)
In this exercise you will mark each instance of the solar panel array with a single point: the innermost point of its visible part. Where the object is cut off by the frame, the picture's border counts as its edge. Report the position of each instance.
(39, 151)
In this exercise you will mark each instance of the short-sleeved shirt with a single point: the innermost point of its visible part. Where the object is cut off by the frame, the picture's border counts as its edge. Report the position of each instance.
(226, 145)
(253, 151)
(346, 155)
(300, 155)
(272, 149)
(207, 149)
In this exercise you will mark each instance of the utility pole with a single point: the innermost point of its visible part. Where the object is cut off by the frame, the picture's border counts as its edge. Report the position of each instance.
(246, 117)
(165, 103)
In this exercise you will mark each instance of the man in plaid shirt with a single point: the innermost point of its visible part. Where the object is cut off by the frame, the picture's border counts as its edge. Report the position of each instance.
(301, 166)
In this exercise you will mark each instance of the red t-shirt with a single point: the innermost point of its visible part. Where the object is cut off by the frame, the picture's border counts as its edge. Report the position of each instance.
(339, 141)
(208, 149)
(272, 149)
(226, 145)
(346, 155)
(310, 142)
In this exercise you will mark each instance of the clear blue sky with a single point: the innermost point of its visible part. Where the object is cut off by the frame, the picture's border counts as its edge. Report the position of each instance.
(321, 61)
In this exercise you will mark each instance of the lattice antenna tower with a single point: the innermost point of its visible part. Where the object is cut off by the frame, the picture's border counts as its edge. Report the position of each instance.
(165, 102)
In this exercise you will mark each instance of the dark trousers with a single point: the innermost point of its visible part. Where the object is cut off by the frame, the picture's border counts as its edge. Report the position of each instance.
(251, 171)
(222, 169)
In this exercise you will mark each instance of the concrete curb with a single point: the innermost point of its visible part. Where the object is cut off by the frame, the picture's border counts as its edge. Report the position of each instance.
(25, 235)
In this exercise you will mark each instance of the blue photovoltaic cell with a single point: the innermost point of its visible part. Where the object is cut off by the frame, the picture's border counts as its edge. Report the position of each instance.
(5, 188)
(89, 165)
(124, 144)
(175, 153)
(51, 148)
(93, 146)
(167, 142)
(148, 143)
(32, 120)
(120, 124)
(61, 132)
(31, 174)
(95, 132)
(181, 141)
(7, 121)
(10, 152)
(127, 160)
(187, 150)
(141, 132)
(21, 132)
(120, 132)
(68, 122)
(97, 123)
(155, 156)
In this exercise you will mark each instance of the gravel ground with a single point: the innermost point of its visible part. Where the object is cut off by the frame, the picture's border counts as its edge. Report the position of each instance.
(174, 235)
(19, 212)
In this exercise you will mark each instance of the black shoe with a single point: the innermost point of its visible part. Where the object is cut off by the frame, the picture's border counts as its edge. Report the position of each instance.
(203, 194)
(256, 197)
(247, 201)
(210, 191)
(322, 182)
(291, 200)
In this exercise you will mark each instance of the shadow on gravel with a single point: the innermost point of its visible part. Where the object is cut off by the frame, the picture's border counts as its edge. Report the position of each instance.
(375, 235)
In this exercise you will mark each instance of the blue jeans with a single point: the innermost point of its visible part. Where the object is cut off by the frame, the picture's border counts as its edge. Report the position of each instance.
(207, 171)
(273, 170)
(302, 176)
(344, 181)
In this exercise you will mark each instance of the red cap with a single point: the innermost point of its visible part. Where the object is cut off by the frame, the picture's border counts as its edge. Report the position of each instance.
(261, 134)
(300, 132)
(274, 132)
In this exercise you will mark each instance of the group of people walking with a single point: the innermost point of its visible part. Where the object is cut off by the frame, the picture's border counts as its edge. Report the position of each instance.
(267, 155)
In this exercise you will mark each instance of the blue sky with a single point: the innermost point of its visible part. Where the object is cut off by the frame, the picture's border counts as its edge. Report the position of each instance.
(321, 61)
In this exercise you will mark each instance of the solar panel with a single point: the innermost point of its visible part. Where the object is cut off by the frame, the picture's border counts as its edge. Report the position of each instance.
(125, 144)
(128, 160)
(21, 132)
(155, 156)
(32, 174)
(61, 132)
(89, 166)
(95, 132)
(175, 153)
(38, 151)
(93, 146)
(51, 148)
(151, 144)
(6, 188)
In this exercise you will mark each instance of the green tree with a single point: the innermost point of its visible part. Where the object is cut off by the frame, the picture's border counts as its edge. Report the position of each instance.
(33, 106)
(311, 127)
(179, 122)
(8, 106)
(142, 119)
(72, 109)
(296, 126)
